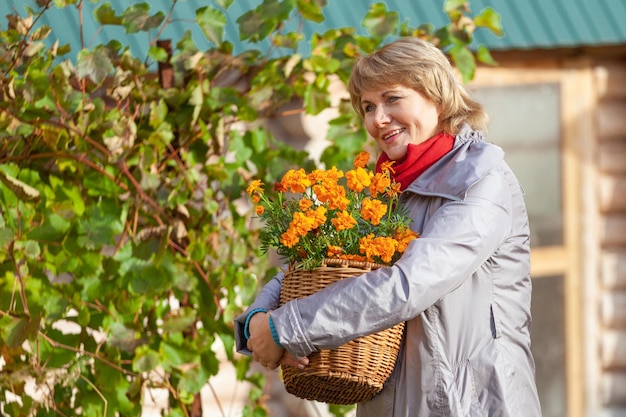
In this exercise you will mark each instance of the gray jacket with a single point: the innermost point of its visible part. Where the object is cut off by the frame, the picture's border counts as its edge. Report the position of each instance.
(463, 288)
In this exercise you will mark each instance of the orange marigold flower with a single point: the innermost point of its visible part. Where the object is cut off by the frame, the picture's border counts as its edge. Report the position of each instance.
(344, 221)
(334, 251)
(259, 210)
(380, 183)
(305, 204)
(301, 223)
(317, 176)
(279, 188)
(373, 210)
(327, 178)
(296, 181)
(338, 199)
(322, 193)
(358, 179)
(353, 257)
(333, 195)
(289, 239)
(256, 198)
(394, 190)
(254, 186)
(387, 247)
(378, 247)
(404, 236)
(318, 216)
(361, 159)
(387, 167)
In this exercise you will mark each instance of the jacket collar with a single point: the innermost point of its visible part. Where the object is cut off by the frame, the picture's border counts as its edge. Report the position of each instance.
(470, 160)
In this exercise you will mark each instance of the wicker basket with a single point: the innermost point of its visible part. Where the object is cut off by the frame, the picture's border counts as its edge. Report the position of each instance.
(355, 371)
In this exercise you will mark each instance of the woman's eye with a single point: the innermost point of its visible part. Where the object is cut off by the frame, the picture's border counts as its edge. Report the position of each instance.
(368, 108)
(393, 99)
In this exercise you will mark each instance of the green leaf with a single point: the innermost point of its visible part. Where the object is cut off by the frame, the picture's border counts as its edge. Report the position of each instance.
(145, 359)
(340, 410)
(52, 229)
(6, 236)
(464, 61)
(224, 3)
(41, 33)
(84, 317)
(100, 225)
(94, 64)
(30, 248)
(21, 329)
(122, 337)
(212, 22)
(483, 55)
(254, 26)
(64, 3)
(105, 15)
(17, 333)
(58, 357)
(148, 278)
(380, 23)
(257, 24)
(150, 180)
(175, 355)
(316, 99)
(311, 9)
(135, 389)
(180, 320)
(451, 6)
(490, 19)
(194, 380)
(136, 18)
(22, 190)
(158, 54)
(97, 184)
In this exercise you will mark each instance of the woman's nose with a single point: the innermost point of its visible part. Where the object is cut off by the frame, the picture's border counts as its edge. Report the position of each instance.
(381, 117)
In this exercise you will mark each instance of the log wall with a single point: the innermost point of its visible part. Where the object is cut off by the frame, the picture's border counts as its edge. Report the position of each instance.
(611, 194)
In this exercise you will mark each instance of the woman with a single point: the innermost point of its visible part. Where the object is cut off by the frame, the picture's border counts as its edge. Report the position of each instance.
(463, 287)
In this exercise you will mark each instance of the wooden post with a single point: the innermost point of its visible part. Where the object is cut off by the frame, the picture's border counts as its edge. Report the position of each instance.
(166, 70)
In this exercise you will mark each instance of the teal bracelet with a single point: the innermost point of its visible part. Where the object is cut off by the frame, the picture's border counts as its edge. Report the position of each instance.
(274, 333)
(246, 330)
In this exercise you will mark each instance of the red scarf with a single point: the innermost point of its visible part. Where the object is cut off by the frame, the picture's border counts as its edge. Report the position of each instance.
(418, 158)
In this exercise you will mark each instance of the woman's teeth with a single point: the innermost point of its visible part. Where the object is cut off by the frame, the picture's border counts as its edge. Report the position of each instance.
(390, 134)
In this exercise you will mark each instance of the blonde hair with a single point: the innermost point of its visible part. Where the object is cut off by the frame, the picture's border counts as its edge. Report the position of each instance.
(415, 63)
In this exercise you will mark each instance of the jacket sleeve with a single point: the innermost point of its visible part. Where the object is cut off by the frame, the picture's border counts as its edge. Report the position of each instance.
(455, 241)
(269, 299)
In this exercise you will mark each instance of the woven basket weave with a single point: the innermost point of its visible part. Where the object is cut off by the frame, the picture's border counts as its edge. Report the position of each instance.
(353, 372)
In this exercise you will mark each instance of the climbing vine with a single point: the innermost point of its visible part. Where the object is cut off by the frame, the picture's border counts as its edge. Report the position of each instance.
(127, 241)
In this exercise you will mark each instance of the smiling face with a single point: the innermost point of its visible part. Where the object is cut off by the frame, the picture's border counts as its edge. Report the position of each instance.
(396, 116)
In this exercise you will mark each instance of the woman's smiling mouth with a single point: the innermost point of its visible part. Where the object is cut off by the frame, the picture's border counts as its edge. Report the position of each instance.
(393, 133)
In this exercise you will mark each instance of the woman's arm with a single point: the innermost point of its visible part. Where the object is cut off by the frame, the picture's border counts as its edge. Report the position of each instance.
(458, 238)
(268, 299)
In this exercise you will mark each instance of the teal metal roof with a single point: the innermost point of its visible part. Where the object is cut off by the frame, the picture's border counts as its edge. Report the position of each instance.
(528, 24)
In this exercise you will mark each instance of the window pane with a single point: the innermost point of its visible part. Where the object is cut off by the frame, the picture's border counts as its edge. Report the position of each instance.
(525, 122)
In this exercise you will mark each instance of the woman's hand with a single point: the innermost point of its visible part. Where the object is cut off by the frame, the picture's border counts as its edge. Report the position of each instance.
(265, 350)
(289, 360)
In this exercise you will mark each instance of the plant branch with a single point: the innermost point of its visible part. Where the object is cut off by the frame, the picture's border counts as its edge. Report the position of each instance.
(95, 388)
(61, 155)
(59, 345)
(217, 399)
(142, 195)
